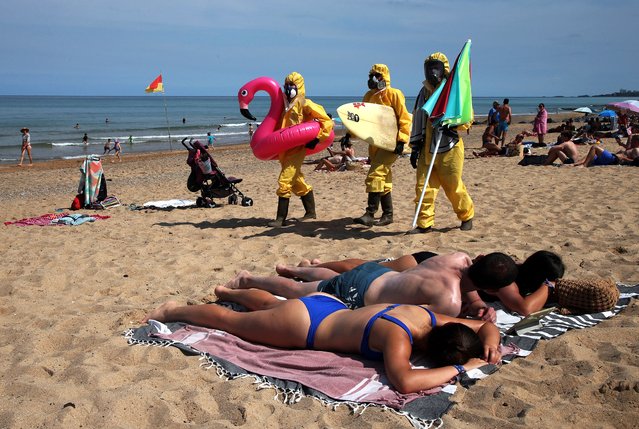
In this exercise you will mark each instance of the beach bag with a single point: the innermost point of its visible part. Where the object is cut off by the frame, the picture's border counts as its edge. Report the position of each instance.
(586, 295)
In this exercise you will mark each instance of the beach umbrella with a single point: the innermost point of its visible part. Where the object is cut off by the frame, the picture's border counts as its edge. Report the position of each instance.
(607, 114)
(628, 106)
(583, 110)
(451, 104)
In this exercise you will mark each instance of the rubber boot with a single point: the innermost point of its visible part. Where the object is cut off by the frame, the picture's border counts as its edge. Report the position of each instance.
(467, 225)
(387, 210)
(308, 201)
(282, 212)
(373, 203)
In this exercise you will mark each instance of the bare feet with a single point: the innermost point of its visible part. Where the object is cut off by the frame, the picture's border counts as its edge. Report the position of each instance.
(161, 313)
(287, 271)
(223, 293)
(307, 263)
(241, 281)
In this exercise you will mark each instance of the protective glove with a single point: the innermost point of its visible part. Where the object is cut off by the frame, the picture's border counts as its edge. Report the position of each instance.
(414, 157)
(311, 145)
(399, 148)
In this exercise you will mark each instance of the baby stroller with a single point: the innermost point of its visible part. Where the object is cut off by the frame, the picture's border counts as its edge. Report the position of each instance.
(207, 178)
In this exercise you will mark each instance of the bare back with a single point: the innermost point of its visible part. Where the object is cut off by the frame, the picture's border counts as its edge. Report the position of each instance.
(436, 283)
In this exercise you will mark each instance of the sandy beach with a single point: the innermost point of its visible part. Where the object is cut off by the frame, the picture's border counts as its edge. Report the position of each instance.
(68, 293)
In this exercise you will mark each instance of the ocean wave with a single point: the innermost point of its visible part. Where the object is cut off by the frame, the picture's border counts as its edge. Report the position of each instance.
(78, 156)
(73, 143)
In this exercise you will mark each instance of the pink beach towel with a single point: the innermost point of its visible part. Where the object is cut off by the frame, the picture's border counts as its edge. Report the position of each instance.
(339, 376)
(46, 220)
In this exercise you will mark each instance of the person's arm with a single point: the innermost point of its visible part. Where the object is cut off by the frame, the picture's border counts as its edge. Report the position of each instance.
(397, 351)
(487, 331)
(513, 301)
(474, 306)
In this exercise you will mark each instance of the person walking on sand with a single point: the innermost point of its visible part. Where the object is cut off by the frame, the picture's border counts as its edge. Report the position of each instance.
(540, 125)
(449, 159)
(26, 146)
(380, 332)
(379, 180)
(291, 179)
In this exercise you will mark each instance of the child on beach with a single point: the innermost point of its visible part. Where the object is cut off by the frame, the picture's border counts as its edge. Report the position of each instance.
(378, 332)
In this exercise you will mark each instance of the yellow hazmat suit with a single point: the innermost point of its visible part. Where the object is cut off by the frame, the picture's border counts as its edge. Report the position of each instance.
(380, 176)
(300, 109)
(448, 167)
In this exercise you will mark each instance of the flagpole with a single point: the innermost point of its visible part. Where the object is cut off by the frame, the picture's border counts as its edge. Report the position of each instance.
(166, 114)
(430, 170)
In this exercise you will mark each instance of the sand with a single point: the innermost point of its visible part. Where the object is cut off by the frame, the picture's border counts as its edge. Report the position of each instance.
(68, 293)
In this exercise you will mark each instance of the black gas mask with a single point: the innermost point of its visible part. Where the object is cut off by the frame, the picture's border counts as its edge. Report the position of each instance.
(434, 72)
(290, 90)
(376, 81)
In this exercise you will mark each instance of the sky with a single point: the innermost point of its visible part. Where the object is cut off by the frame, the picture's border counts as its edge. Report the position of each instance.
(213, 47)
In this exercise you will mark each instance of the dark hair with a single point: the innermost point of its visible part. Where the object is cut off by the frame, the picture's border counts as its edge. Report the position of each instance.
(493, 271)
(453, 344)
(566, 134)
(538, 267)
(506, 101)
(541, 105)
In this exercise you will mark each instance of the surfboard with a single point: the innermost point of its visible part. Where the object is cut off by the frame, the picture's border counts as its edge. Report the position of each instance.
(373, 123)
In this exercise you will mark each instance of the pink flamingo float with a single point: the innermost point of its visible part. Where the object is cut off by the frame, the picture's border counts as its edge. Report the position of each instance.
(267, 142)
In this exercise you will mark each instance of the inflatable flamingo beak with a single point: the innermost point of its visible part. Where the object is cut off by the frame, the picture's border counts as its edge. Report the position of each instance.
(247, 114)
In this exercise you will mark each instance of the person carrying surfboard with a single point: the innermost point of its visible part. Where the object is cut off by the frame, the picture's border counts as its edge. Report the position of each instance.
(449, 159)
(291, 179)
(379, 180)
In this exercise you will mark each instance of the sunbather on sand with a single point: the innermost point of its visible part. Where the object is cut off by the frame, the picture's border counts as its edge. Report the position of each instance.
(489, 143)
(379, 332)
(566, 150)
(599, 156)
(530, 291)
(442, 283)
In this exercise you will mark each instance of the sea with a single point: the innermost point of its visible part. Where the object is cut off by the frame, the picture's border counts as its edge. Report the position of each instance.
(144, 123)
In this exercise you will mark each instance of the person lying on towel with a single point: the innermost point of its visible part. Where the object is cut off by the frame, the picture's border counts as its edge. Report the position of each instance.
(377, 332)
(530, 292)
(442, 283)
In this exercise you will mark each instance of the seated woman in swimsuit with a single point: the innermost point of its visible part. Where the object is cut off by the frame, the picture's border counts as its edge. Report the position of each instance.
(322, 322)
(339, 160)
(489, 143)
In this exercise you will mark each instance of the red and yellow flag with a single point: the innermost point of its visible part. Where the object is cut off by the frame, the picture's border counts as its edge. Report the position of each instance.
(156, 85)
